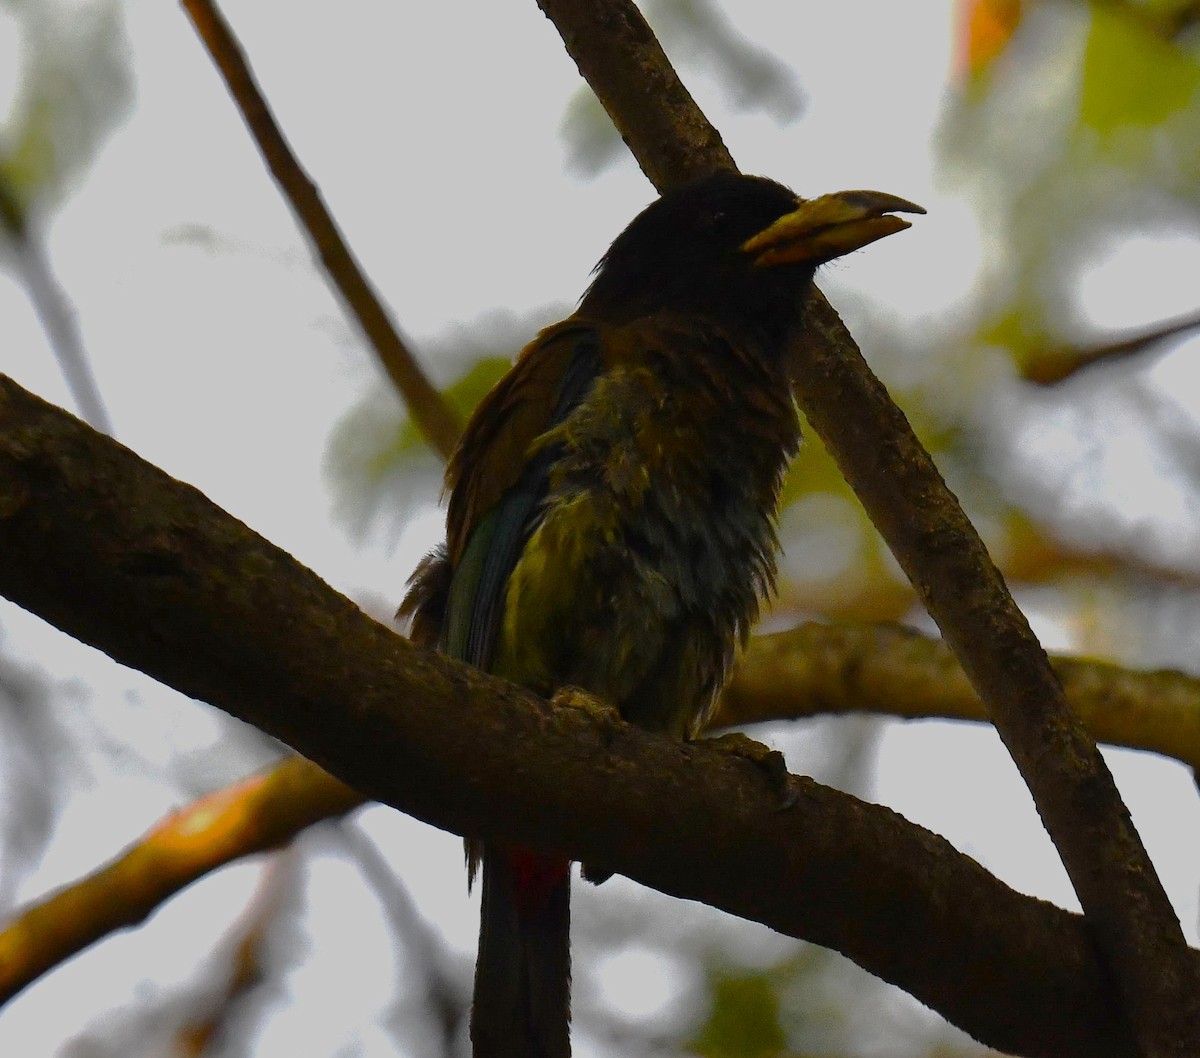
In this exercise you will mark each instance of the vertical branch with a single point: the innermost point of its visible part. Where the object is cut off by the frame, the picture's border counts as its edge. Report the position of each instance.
(425, 404)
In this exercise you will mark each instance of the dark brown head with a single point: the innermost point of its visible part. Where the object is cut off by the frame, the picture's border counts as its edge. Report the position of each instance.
(739, 250)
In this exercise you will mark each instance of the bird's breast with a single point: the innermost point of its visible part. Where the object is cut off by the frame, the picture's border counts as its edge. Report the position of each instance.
(656, 540)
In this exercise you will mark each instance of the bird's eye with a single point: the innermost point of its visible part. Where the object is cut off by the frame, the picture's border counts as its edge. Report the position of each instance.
(711, 223)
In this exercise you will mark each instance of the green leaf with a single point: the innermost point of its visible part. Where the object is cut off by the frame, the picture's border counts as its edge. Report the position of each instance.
(376, 445)
(75, 86)
(744, 1019)
(1133, 78)
(462, 395)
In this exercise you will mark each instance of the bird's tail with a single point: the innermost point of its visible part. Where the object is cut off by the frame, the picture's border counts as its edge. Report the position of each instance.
(523, 976)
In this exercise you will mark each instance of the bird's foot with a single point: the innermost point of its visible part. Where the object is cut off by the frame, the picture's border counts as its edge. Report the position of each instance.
(604, 715)
(608, 719)
(769, 761)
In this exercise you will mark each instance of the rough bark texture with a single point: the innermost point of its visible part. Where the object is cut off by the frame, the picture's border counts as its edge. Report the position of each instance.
(120, 555)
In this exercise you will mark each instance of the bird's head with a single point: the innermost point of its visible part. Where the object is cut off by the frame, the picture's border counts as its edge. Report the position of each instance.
(737, 249)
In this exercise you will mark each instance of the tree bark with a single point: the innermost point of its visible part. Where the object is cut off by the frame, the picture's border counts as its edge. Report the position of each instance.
(121, 556)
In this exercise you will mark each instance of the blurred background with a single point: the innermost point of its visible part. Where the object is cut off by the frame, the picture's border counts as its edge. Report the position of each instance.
(1040, 327)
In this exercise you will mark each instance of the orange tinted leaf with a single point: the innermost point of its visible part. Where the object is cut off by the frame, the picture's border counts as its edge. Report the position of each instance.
(985, 28)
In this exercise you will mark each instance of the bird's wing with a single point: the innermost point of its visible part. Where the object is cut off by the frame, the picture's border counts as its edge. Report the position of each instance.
(497, 478)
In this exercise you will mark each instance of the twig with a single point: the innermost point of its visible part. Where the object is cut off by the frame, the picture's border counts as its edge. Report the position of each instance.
(54, 310)
(942, 555)
(425, 404)
(1050, 366)
(206, 1033)
(447, 1005)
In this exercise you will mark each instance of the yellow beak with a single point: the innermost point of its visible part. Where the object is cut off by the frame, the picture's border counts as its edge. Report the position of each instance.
(821, 229)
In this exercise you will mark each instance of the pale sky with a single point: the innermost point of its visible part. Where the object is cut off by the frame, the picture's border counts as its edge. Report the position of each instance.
(432, 130)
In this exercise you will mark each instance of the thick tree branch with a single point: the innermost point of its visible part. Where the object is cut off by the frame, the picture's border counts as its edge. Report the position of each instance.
(887, 670)
(815, 668)
(956, 580)
(621, 60)
(944, 558)
(428, 409)
(121, 556)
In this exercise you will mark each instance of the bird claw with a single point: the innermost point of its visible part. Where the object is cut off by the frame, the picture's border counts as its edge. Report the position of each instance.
(608, 719)
(769, 761)
(603, 714)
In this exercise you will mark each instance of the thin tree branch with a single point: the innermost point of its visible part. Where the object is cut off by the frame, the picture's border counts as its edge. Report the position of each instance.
(433, 416)
(259, 813)
(1051, 366)
(891, 670)
(447, 1005)
(119, 555)
(53, 308)
(942, 555)
(207, 1032)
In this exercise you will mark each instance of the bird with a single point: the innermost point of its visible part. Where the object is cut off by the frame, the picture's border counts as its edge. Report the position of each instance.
(611, 516)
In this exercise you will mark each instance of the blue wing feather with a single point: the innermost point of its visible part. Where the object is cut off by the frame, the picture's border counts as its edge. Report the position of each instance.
(476, 596)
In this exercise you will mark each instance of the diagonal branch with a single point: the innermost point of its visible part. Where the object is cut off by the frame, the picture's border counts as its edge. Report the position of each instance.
(259, 813)
(118, 554)
(944, 558)
(425, 404)
(886, 670)
(941, 553)
(621, 60)
(1047, 367)
(53, 308)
